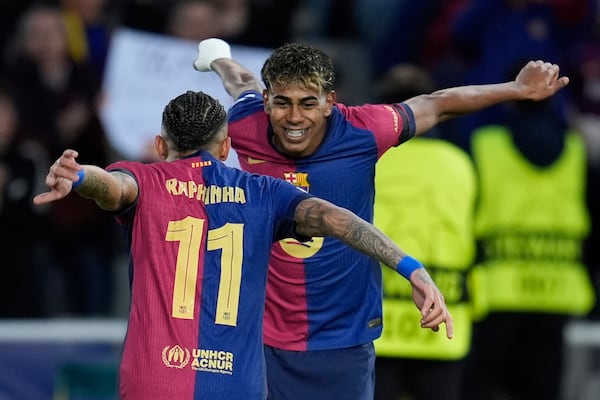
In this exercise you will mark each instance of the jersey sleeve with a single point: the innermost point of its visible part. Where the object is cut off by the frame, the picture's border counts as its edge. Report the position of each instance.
(125, 216)
(286, 198)
(247, 103)
(391, 124)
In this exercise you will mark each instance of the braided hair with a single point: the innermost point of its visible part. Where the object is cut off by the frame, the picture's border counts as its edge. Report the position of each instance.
(192, 120)
(299, 64)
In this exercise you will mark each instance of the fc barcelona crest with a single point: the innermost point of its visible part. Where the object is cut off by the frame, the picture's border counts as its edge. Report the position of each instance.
(298, 179)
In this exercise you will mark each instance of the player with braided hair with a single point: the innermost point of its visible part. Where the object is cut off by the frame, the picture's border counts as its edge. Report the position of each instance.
(192, 120)
(321, 315)
(200, 239)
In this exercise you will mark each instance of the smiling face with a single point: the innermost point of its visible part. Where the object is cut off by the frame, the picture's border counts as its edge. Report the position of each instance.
(299, 117)
(299, 97)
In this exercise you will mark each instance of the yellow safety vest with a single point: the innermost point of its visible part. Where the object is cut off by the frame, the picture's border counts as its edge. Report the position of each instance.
(424, 199)
(530, 225)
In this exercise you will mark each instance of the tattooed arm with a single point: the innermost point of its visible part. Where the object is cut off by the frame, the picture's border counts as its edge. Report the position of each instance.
(317, 217)
(110, 190)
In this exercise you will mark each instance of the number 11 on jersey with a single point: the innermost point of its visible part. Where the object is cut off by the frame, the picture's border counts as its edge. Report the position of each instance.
(229, 239)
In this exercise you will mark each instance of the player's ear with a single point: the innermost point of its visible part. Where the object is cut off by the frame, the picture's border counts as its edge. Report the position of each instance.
(162, 149)
(225, 148)
(266, 104)
(329, 102)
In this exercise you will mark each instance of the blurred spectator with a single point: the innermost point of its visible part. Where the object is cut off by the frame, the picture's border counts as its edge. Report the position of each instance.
(56, 100)
(530, 280)
(22, 226)
(194, 20)
(332, 26)
(55, 96)
(402, 31)
(89, 26)
(395, 32)
(431, 213)
(202, 19)
(188, 19)
(494, 35)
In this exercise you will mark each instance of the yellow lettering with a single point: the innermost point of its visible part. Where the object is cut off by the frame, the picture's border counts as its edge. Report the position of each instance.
(240, 196)
(192, 189)
(171, 186)
(228, 194)
(533, 246)
(206, 194)
(182, 189)
(215, 194)
(201, 193)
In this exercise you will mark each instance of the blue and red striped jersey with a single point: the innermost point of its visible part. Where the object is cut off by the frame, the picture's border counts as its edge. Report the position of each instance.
(200, 239)
(323, 294)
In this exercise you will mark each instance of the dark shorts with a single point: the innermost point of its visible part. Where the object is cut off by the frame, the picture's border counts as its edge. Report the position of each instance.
(338, 374)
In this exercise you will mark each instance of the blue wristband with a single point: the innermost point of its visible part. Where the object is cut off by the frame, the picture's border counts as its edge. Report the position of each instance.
(81, 174)
(407, 265)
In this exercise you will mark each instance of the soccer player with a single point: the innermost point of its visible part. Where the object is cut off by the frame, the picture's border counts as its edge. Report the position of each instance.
(200, 235)
(321, 316)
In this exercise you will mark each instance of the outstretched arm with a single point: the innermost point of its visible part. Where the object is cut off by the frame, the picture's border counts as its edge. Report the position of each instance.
(536, 81)
(215, 55)
(110, 190)
(317, 217)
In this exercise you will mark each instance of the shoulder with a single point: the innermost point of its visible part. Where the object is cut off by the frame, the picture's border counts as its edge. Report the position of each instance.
(125, 166)
(374, 116)
(247, 103)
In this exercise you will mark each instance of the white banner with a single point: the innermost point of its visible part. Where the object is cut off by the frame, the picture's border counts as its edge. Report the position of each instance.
(144, 71)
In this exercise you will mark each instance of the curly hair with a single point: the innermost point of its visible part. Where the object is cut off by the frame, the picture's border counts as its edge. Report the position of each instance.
(299, 64)
(192, 119)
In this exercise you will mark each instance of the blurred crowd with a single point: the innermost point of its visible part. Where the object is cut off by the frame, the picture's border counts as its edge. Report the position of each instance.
(61, 260)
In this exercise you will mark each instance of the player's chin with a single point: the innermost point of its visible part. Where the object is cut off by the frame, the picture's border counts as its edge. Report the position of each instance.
(296, 148)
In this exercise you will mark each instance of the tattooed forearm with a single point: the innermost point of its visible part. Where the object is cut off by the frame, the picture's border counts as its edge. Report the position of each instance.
(95, 188)
(111, 191)
(317, 217)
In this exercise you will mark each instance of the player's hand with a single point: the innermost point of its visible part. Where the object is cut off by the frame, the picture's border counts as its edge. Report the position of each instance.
(539, 80)
(60, 178)
(430, 302)
(210, 50)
